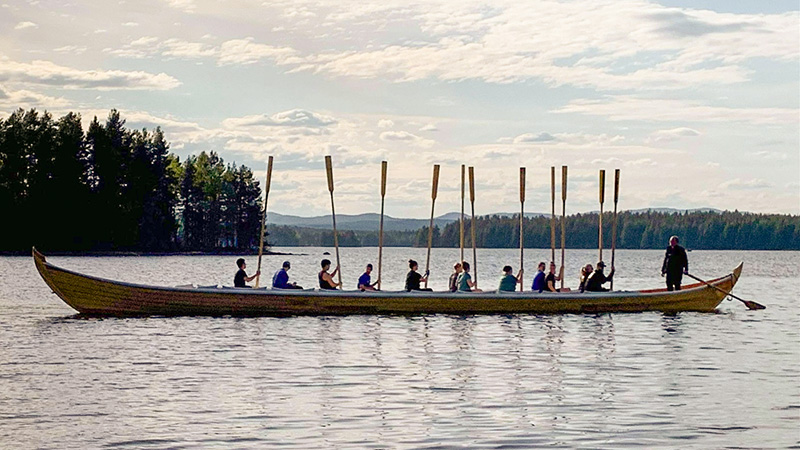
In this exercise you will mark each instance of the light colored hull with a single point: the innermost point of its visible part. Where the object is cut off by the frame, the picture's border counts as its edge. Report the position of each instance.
(96, 296)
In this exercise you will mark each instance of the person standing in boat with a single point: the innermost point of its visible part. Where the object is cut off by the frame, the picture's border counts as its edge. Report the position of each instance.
(596, 280)
(453, 282)
(538, 279)
(585, 272)
(325, 278)
(676, 263)
(364, 280)
(281, 278)
(465, 283)
(509, 282)
(241, 279)
(551, 278)
(413, 278)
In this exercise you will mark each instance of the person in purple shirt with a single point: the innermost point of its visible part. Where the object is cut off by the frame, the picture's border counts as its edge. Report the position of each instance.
(281, 278)
(538, 280)
(364, 280)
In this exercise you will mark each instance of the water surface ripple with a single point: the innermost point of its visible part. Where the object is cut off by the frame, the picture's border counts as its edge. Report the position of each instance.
(724, 380)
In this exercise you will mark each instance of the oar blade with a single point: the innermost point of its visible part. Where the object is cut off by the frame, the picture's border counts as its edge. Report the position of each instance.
(753, 305)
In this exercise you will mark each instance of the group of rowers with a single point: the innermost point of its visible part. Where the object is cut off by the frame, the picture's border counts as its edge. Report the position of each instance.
(460, 279)
(592, 279)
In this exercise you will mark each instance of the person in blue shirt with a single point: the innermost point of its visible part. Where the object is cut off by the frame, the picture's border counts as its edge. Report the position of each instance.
(281, 278)
(364, 280)
(538, 280)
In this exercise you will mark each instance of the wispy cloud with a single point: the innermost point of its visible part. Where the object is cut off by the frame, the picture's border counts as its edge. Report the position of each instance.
(50, 74)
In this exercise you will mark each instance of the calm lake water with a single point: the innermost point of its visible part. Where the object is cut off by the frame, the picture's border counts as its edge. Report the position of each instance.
(725, 380)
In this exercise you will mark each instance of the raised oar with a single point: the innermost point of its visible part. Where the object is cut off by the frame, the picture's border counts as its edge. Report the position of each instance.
(521, 220)
(602, 199)
(430, 226)
(614, 226)
(748, 303)
(461, 217)
(329, 170)
(553, 213)
(264, 218)
(563, 219)
(472, 227)
(380, 232)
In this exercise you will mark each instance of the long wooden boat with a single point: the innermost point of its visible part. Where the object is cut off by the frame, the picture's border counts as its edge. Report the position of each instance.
(95, 296)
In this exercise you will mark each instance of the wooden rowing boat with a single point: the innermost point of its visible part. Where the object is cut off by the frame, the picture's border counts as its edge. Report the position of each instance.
(95, 296)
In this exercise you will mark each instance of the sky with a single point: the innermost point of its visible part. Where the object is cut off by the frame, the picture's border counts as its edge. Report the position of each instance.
(696, 102)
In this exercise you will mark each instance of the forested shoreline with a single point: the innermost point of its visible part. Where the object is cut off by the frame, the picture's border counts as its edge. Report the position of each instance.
(110, 189)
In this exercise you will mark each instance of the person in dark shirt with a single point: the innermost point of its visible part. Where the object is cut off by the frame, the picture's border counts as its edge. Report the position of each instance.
(551, 278)
(596, 280)
(241, 279)
(413, 278)
(325, 278)
(676, 263)
(453, 282)
(585, 272)
(364, 283)
(281, 278)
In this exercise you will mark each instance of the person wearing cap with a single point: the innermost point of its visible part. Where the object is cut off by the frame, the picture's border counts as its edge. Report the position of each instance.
(364, 280)
(676, 263)
(281, 278)
(598, 278)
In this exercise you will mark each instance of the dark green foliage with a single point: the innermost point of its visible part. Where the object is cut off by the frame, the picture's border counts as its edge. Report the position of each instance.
(117, 189)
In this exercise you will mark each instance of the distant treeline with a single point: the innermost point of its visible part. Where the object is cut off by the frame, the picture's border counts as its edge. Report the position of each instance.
(114, 189)
(697, 230)
(648, 230)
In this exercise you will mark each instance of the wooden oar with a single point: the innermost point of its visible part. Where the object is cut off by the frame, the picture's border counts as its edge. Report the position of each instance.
(553, 213)
(461, 217)
(472, 228)
(264, 219)
(380, 232)
(748, 303)
(602, 199)
(563, 219)
(614, 225)
(521, 221)
(430, 226)
(329, 170)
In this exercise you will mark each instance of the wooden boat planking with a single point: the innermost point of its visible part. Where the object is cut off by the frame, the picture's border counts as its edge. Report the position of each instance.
(94, 296)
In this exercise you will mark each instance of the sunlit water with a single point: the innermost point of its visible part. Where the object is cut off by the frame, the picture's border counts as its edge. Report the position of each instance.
(726, 380)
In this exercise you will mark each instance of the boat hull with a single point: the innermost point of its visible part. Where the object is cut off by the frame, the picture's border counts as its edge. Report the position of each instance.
(100, 297)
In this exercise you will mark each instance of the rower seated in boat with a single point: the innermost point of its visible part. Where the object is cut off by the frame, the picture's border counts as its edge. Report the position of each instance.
(241, 279)
(585, 272)
(598, 278)
(551, 278)
(281, 278)
(465, 283)
(364, 281)
(509, 282)
(413, 278)
(325, 278)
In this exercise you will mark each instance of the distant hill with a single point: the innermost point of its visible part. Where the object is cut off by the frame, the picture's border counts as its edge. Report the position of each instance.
(371, 221)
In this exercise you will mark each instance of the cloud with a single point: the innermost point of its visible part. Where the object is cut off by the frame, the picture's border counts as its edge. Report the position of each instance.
(25, 25)
(292, 118)
(529, 137)
(11, 100)
(385, 123)
(739, 184)
(630, 108)
(429, 127)
(544, 138)
(405, 136)
(50, 74)
(672, 134)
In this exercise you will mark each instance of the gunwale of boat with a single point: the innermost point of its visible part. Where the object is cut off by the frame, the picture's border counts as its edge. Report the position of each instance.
(236, 301)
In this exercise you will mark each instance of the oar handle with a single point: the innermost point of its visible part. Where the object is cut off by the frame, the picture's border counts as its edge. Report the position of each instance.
(750, 304)
(329, 172)
(602, 186)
